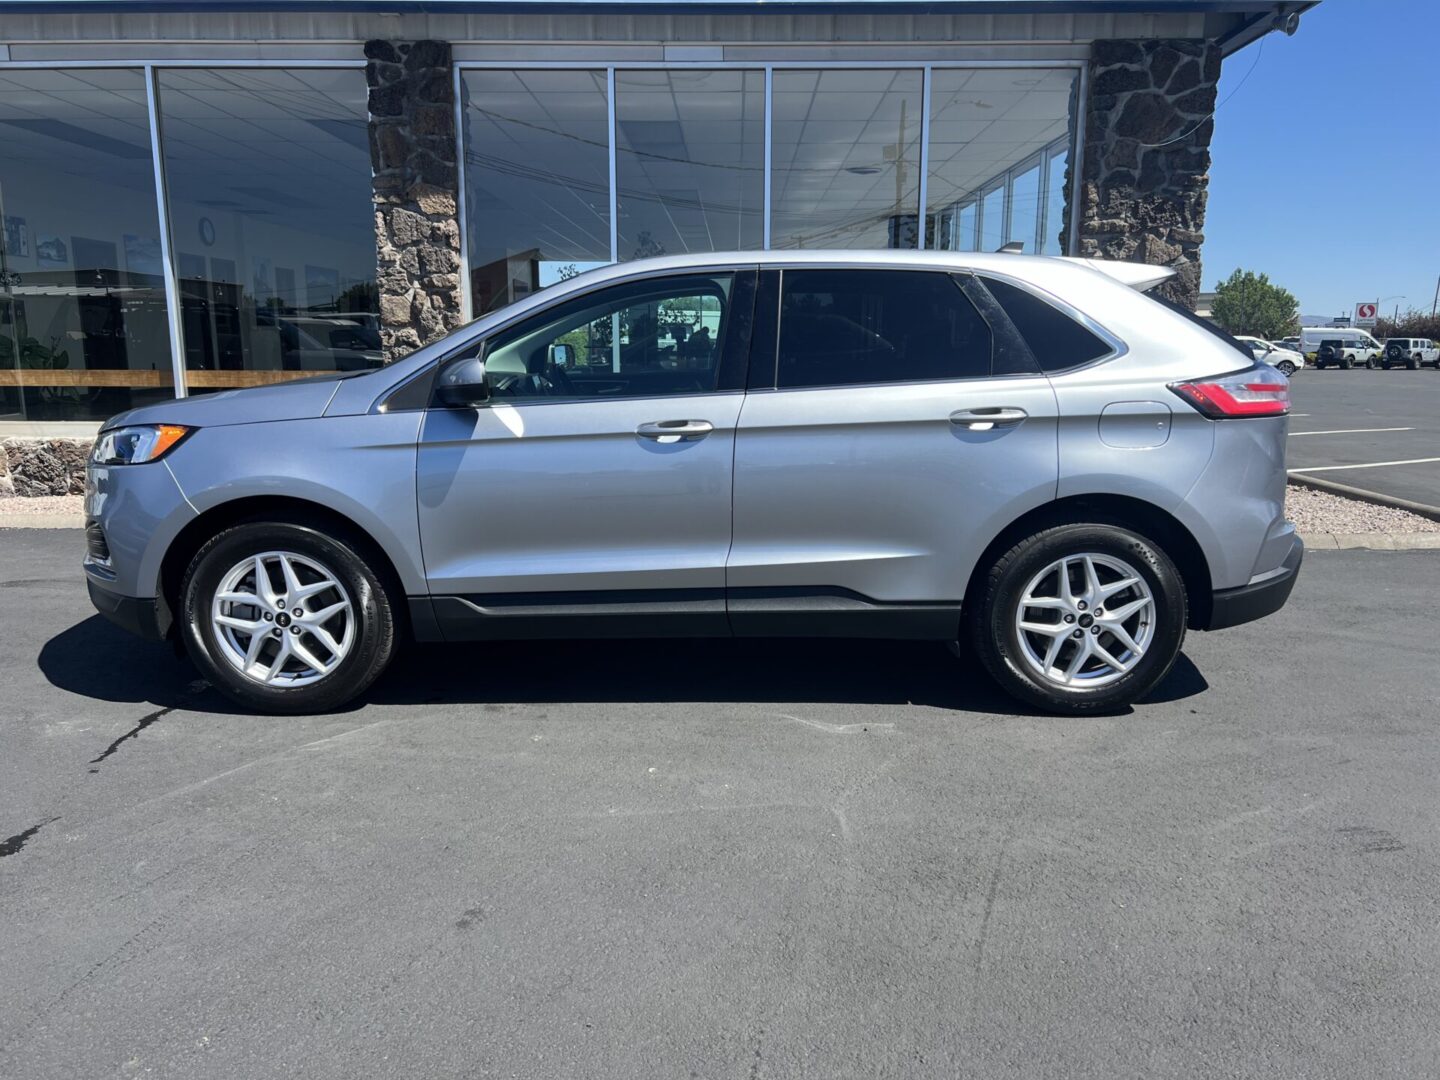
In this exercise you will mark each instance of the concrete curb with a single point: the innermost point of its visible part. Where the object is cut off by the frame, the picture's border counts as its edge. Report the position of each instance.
(1372, 541)
(41, 521)
(1374, 498)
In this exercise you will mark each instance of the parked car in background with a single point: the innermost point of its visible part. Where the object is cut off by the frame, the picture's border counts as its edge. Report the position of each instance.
(1410, 352)
(1333, 352)
(1286, 361)
(1026, 454)
(1357, 345)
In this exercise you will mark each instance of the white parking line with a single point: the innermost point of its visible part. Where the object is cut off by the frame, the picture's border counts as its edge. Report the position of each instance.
(1350, 431)
(1367, 465)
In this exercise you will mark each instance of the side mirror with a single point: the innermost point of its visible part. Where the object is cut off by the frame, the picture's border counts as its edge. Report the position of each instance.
(462, 385)
(562, 355)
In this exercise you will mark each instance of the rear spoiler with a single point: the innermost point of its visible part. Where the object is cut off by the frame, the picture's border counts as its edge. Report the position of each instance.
(1141, 276)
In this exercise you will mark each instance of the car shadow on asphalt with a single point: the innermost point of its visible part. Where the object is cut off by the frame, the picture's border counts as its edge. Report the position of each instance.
(97, 660)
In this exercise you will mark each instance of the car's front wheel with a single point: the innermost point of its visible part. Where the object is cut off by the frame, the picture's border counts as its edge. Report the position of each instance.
(285, 618)
(1080, 618)
(1286, 368)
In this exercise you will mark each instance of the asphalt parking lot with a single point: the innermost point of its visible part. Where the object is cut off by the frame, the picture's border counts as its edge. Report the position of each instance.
(700, 859)
(1353, 426)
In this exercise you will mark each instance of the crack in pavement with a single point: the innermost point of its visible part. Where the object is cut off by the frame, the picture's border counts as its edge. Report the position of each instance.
(197, 688)
(12, 845)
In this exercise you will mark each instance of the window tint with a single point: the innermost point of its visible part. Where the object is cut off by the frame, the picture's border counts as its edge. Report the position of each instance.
(1057, 340)
(641, 339)
(852, 327)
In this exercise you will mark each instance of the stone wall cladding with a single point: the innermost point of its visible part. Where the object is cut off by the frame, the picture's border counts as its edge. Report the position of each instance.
(415, 188)
(33, 467)
(1140, 201)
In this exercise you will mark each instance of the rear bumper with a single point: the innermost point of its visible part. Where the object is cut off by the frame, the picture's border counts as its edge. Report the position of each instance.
(149, 619)
(1231, 607)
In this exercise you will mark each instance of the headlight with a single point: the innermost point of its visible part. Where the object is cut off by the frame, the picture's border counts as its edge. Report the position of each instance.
(137, 445)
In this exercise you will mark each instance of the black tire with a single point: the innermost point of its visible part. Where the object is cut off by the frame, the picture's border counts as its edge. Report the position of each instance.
(1371, 364)
(991, 622)
(1346, 363)
(1286, 368)
(1413, 364)
(375, 631)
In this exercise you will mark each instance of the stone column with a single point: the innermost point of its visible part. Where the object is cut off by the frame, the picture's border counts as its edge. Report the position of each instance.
(415, 186)
(1146, 160)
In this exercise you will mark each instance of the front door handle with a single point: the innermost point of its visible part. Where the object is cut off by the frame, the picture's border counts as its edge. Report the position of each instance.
(986, 419)
(673, 431)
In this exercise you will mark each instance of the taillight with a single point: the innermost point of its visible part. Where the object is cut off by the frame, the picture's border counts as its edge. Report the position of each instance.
(1257, 391)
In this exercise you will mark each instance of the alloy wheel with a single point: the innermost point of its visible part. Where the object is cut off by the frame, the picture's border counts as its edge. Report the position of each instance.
(1085, 620)
(282, 619)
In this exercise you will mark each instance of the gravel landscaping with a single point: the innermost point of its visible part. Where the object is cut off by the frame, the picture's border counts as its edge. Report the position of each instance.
(43, 505)
(1322, 512)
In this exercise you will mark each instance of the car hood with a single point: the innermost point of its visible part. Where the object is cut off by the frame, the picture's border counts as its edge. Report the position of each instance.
(298, 400)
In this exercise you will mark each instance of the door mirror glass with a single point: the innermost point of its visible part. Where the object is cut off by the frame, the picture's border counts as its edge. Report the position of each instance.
(562, 354)
(462, 384)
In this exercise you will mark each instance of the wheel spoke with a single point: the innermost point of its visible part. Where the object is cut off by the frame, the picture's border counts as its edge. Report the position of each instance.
(1105, 655)
(1050, 602)
(318, 618)
(239, 598)
(1122, 636)
(252, 653)
(292, 581)
(1048, 629)
(306, 656)
(1107, 591)
(263, 588)
(281, 655)
(327, 639)
(1120, 614)
(1067, 594)
(1082, 653)
(1092, 581)
(249, 626)
(1053, 652)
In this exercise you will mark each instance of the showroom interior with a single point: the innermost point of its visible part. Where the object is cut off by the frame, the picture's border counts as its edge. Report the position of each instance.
(206, 197)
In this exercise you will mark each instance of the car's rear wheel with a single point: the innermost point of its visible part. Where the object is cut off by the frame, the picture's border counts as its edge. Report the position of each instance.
(284, 618)
(1413, 363)
(1080, 618)
(1346, 363)
(1286, 368)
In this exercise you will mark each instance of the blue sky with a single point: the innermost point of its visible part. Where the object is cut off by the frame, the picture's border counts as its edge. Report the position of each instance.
(1358, 88)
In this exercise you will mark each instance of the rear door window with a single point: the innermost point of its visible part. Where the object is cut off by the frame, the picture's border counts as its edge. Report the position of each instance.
(1057, 340)
(860, 327)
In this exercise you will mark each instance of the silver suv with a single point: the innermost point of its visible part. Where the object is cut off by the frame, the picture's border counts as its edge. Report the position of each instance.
(1027, 454)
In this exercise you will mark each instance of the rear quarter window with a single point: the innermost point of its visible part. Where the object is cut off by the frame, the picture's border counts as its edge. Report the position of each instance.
(1058, 341)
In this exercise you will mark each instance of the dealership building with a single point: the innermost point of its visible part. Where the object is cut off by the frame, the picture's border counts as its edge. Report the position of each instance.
(199, 196)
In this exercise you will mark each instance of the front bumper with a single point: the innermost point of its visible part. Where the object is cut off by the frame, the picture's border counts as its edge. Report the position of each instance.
(1231, 607)
(146, 618)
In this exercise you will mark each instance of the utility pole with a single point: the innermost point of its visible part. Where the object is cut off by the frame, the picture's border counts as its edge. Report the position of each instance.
(1436, 302)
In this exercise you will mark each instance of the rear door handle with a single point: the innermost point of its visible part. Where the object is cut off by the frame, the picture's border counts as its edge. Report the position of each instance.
(672, 431)
(986, 419)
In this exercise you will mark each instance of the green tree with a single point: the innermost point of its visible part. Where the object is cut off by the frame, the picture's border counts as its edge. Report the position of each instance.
(1247, 303)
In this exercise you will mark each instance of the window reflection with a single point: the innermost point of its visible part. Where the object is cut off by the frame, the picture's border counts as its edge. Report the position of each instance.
(690, 161)
(995, 135)
(845, 159)
(83, 326)
(537, 180)
(271, 222)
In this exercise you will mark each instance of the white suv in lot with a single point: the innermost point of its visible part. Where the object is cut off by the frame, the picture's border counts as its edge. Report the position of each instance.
(1410, 352)
(1281, 357)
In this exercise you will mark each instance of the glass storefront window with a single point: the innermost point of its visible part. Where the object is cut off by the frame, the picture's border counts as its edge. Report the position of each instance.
(690, 161)
(83, 323)
(992, 131)
(537, 180)
(1052, 242)
(845, 160)
(272, 227)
